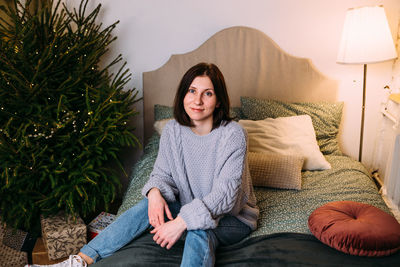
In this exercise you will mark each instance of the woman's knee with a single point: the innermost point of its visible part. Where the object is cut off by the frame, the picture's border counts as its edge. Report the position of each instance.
(204, 236)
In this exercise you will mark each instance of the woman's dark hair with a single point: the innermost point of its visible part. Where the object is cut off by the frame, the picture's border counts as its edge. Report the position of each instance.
(221, 113)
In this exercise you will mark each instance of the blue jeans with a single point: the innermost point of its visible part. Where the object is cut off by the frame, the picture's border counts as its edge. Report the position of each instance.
(200, 245)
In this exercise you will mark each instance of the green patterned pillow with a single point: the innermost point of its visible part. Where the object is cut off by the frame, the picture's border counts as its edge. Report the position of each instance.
(325, 116)
(164, 112)
(140, 174)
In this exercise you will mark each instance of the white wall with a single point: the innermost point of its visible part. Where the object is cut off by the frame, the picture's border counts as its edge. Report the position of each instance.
(150, 31)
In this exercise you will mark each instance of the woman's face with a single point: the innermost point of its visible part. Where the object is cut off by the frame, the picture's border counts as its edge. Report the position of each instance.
(200, 100)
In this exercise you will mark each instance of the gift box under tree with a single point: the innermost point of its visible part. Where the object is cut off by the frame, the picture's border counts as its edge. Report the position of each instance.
(99, 223)
(8, 255)
(63, 235)
(41, 256)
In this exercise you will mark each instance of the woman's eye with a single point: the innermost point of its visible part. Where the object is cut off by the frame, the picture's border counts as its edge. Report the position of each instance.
(191, 91)
(209, 94)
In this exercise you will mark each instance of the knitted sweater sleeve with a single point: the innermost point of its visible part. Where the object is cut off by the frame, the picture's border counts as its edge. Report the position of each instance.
(161, 176)
(204, 213)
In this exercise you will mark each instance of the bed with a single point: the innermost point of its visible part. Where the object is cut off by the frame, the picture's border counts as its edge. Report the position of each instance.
(263, 82)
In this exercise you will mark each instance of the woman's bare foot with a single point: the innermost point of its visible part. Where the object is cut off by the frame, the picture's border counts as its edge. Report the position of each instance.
(86, 258)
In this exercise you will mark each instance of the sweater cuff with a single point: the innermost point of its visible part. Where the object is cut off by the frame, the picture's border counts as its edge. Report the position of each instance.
(196, 216)
(165, 190)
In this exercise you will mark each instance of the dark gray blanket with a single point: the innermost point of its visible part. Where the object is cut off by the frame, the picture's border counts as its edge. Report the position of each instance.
(281, 212)
(282, 249)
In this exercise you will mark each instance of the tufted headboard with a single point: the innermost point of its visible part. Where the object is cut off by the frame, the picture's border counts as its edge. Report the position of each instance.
(252, 64)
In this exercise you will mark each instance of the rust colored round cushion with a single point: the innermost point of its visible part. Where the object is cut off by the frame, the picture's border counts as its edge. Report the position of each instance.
(355, 228)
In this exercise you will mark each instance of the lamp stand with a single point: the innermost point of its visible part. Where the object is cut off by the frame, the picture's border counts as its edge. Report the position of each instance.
(362, 114)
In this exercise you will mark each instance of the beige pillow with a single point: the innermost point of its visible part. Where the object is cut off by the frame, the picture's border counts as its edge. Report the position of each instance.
(275, 170)
(159, 125)
(287, 136)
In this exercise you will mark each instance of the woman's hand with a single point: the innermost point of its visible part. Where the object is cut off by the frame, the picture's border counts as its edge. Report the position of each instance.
(167, 234)
(157, 207)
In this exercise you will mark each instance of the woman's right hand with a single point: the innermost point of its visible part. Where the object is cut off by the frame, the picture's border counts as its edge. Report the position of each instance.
(157, 207)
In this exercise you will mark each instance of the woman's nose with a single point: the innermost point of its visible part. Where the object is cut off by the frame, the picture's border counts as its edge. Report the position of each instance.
(198, 99)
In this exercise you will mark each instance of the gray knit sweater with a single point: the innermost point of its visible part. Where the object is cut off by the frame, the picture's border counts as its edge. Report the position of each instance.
(207, 174)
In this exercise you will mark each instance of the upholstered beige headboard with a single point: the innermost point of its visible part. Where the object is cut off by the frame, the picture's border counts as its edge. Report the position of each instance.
(252, 64)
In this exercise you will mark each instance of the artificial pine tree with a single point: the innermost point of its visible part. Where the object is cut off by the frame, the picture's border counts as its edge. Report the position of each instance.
(63, 117)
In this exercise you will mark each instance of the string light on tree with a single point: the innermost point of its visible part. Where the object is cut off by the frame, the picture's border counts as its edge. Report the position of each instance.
(61, 108)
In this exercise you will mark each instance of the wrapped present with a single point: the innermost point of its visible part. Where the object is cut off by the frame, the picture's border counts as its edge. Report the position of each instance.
(14, 238)
(18, 239)
(9, 256)
(99, 223)
(40, 254)
(63, 235)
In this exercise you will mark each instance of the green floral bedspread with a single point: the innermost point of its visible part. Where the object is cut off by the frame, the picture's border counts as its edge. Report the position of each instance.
(284, 210)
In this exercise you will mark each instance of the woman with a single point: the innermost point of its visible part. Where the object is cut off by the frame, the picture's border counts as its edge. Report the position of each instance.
(201, 174)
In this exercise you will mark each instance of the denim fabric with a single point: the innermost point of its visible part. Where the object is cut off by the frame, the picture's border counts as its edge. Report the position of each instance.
(230, 230)
(199, 249)
(200, 245)
(126, 227)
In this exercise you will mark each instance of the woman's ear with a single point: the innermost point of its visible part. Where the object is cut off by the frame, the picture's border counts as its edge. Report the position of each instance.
(217, 105)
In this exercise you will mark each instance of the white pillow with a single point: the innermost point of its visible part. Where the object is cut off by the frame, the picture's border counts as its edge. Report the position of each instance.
(287, 136)
(159, 125)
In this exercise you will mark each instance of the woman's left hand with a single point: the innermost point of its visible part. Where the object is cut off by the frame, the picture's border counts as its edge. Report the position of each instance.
(168, 233)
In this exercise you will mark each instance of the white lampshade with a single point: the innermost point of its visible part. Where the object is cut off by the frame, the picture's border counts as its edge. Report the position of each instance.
(366, 37)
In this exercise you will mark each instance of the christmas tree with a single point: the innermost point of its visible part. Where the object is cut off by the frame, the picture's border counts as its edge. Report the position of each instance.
(63, 117)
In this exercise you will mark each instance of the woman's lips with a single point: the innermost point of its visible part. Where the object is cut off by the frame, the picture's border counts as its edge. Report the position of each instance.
(197, 110)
